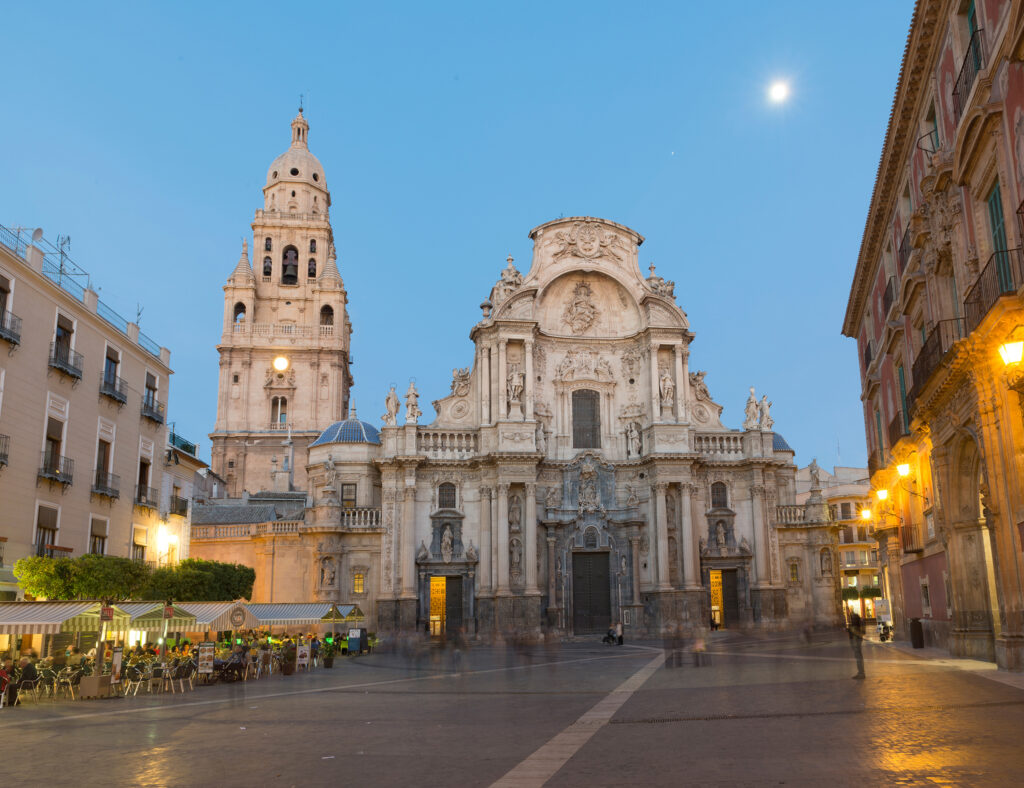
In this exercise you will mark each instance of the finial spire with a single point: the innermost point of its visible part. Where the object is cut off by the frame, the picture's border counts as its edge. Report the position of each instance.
(300, 131)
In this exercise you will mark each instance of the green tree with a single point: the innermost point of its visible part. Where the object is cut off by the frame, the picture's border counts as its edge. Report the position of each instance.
(47, 578)
(109, 577)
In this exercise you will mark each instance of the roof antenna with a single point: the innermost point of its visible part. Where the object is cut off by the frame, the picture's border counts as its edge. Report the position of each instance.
(139, 309)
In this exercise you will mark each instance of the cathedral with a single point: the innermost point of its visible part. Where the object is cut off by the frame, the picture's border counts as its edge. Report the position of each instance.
(577, 473)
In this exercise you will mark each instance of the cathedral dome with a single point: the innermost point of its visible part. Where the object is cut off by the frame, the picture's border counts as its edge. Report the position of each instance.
(297, 164)
(349, 431)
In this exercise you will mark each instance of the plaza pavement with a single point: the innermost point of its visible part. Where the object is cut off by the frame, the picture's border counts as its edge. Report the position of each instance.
(768, 710)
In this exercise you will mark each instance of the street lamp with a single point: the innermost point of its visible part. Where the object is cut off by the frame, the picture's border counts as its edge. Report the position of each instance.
(903, 469)
(281, 363)
(865, 514)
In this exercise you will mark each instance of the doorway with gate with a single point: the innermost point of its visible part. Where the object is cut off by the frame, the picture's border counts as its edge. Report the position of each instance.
(726, 589)
(445, 607)
(591, 593)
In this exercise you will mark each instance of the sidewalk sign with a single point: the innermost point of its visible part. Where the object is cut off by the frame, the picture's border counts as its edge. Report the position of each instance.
(115, 665)
(302, 658)
(882, 612)
(205, 661)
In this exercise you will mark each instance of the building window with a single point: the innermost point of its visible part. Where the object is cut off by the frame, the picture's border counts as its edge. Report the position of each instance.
(110, 367)
(874, 558)
(586, 419)
(846, 510)
(268, 266)
(138, 544)
(290, 266)
(279, 410)
(312, 246)
(5, 294)
(719, 496)
(348, 496)
(359, 583)
(268, 245)
(926, 598)
(326, 316)
(311, 268)
(97, 536)
(446, 496)
(794, 573)
(46, 529)
(150, 395)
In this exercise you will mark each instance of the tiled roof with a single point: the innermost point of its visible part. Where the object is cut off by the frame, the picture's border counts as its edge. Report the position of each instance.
(223, 514)
(349, 431)
(778, 443)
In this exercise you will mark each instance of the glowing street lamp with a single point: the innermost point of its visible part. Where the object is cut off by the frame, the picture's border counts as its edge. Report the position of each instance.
(882, 494)
(865, 514)
(1012, 352)
(280, 363)
(903, 469)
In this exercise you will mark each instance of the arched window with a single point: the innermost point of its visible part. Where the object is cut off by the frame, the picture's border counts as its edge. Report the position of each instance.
(239, 312)
(290, 266)
(279, 410)
(586, 419)
(719, 496)
(311, 268)
(446, 496)
(312, 245)
(268, 266)
(358, 583)
(268, 245)
(326, 316)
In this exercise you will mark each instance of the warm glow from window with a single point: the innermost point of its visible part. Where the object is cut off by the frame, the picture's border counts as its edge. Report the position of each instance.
(882, 494)
(903, 469)
(280, 363)
(1012, 352)
(865, 514)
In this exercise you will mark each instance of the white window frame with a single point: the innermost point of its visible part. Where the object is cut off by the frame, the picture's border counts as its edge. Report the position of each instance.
(57, 315)
(59, 408)
(107, 347)
(35, 522)
(106, 536)
(103, 429)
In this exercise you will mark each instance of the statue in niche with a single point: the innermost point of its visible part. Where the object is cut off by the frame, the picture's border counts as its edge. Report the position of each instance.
(516, 380)
(588, 492)
(752, 412)
(515, 512)
(542, 443)
(515, 549)
(391, 405)
(670, 510)
(826, 562)
(447, 544)
(412, 408)
(580, 312)
(720, 535)
(632, 440)
(766, 421)
(668, 388)
(327, 573)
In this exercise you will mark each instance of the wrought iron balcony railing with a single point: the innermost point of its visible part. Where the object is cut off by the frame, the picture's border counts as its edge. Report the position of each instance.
(152, 410)
(903, 254)
(46, 550)
(891, 289)
(5, 448)
(113, 387)
(1002, 275)
(937, 344)
(55, 468)
(108, 484)
(910, 537)
(66, 360)
(179, 506)
(148, 497)
(974, 61)
(10, 327)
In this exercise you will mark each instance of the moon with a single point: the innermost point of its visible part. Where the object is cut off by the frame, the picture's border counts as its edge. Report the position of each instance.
(778, 91)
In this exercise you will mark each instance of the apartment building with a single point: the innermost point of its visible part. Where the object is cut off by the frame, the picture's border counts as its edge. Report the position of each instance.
(937, 311)
(83, 396)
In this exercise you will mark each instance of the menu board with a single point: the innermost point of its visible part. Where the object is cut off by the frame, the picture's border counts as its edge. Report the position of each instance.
(115, 666)
(302, 658)
(205, 660)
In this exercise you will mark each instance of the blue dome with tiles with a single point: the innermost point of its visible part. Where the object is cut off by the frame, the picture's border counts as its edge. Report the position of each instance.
(349, 431)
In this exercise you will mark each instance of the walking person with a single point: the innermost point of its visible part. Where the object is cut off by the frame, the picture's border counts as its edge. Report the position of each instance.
(855, 630)
(618, 631)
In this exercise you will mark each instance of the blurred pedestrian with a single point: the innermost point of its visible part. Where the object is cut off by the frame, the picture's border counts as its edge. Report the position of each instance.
(855, 630)
(618, 631)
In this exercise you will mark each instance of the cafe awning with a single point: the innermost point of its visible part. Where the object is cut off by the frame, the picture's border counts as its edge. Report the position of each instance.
(51, 618)
(219, 616)
(289, 614)
(344, 614)
(149, 617)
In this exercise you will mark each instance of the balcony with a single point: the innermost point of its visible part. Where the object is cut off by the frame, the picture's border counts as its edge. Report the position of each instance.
(44, 550)
(278, 426)
(1002, 275)
(910, 538)
(64, 359)
(152, 410)
(179, 442)
(146, 497)
(936, 345)
(10, 327)
(974, 61)
(897, 429)
(55, 468)
(874, 462)
(903, 255)
(113, 388)
(5, 448)
(361, 518)
(179, 506)
(447, 444)
(889, 297)
(107, 484)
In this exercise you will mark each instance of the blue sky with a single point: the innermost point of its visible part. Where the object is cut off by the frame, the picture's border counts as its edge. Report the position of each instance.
(447, 131)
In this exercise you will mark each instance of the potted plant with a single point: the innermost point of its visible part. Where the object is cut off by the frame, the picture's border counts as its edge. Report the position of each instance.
(288, 658)
(327, 650)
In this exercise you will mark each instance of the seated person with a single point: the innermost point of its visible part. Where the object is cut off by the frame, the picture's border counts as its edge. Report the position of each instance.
(28, 675)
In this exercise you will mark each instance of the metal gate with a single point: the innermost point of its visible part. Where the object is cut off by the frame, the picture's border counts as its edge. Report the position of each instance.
(453, 605)
(730, 597)
(591, 594)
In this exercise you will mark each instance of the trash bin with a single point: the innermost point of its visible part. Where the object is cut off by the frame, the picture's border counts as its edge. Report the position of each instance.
(916, 633)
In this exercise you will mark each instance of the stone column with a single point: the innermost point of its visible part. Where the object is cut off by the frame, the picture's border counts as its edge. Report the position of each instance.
(485, 385)
(530, 536)
(502, 378)
(484, 567)
(634, 549)
(552, 574)
(661, 530)
(761, 546)
(494, 537)
(409, 541)
(528, 387)
(681, 381)
(655, 391)
(691, 553)
(503, 587)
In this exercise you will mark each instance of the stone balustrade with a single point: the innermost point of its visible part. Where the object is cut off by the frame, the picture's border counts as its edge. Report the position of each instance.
(363, 517)
(447, 444)
(789, 514)
(721, 444)
(276, 329)
(244, 530)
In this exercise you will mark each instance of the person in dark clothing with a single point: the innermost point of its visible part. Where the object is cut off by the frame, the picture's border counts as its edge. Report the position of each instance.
(855, 630)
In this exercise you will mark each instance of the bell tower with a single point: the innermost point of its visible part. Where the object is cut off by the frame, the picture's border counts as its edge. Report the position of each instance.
(284, 351)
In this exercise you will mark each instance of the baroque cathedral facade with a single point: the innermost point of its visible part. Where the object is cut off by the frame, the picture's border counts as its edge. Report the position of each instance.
(577, 473)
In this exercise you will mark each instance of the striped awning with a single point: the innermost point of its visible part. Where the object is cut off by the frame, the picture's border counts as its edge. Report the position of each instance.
(347, 614)
(220, 616)
(149, 617)
(286, 614)
(50, 618)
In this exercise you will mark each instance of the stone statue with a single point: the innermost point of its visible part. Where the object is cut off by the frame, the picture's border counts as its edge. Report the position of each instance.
(720, 535)
(515, 549)
(703, 543)
(515, 513)
(447, 544)
(826, 562)
(471, 555)
(391, 406)
(327, 571)
(668, 388)
(815, 473)
(412, 408)
(330, 472)
(752, 412)
(632, 440)
(766, 420)
(422, 554)
(622, 565)
(554, 497)
(745, 545)
(699, 387)
(515, 382)
(542, 442)
(631, 499)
